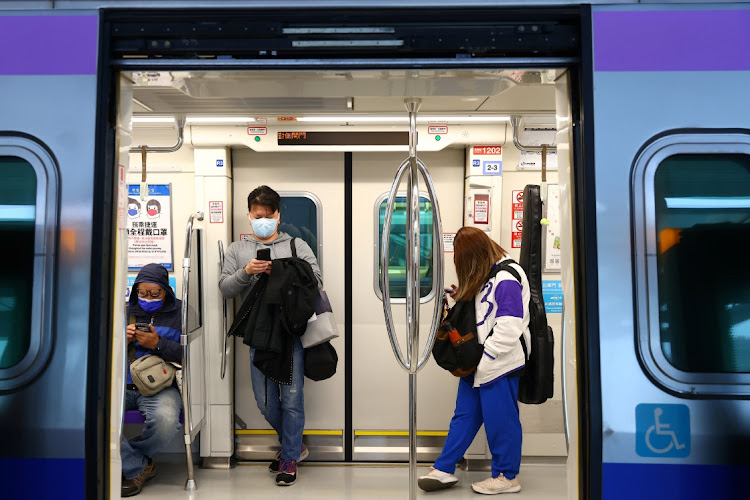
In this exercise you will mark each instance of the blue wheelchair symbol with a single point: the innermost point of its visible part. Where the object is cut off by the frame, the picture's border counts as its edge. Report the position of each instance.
(475, 163)
(219, 163)
(662, 430)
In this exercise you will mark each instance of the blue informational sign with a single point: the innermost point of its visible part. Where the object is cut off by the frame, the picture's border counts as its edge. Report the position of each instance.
(149, 226)
(475, 163)
(219, 163)
(662, 430)
(492, 167)
(553, 296)
(131, 282)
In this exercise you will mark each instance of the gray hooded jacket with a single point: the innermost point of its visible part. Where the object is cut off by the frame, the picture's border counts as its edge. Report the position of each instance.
(235, 281)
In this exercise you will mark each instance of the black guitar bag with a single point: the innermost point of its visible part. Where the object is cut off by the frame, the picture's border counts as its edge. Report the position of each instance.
(536, 384)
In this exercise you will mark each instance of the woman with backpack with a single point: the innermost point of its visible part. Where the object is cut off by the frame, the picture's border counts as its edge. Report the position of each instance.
(490, 394)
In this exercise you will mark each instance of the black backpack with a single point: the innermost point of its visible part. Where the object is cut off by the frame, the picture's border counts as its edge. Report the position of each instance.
(537, 382)
(457, 348)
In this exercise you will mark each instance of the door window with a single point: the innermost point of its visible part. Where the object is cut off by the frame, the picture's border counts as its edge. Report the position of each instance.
(397, 248)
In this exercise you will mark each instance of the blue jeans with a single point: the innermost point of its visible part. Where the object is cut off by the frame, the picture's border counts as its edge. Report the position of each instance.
(497, 406)
(284, 408)
(162, 413)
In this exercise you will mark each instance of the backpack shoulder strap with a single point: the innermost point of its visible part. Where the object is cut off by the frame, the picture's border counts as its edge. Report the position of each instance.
(294, 247)
(506, 266)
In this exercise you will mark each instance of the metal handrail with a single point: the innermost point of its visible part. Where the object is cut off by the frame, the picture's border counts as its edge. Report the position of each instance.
(190, 484)
(224, 317)
(166, 149)
(415, 167)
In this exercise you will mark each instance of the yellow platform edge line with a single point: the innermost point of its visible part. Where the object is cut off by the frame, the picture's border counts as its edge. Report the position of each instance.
(401, 433)
(271, 432)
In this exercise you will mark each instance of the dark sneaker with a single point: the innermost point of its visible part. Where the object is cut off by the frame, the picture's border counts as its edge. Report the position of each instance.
(274, 467)
(131, 487)
(287, 472)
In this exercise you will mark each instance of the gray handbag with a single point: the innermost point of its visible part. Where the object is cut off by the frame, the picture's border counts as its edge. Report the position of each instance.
(322, 326)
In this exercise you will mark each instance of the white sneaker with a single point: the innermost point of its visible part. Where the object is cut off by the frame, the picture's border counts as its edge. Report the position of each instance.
(436, 480)
(495, 485)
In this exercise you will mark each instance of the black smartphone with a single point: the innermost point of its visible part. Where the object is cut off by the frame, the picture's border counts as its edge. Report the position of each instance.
(144, 327)
(264, 254)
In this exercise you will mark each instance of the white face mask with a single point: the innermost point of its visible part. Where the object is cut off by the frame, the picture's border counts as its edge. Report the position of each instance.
(264, 228)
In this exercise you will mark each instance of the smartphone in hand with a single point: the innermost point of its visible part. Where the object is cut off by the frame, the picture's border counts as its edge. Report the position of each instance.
(264, 254)
(144, 327)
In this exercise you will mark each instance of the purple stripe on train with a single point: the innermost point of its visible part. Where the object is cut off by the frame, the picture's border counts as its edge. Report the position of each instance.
(686, 40)
(48, 45)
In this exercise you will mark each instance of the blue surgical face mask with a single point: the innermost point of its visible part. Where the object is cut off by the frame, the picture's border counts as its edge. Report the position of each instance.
(263, 228)
(150, 305)
(132, 212)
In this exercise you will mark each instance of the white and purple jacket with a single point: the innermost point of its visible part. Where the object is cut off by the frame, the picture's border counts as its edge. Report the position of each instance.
(502, 308)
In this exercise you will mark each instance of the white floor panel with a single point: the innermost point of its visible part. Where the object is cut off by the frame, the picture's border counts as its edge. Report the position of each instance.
(335, 482)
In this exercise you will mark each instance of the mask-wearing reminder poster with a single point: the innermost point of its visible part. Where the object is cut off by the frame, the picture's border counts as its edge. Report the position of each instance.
(149, 226)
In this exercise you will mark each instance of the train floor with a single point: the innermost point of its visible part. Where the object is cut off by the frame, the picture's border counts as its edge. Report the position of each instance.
(539, 480)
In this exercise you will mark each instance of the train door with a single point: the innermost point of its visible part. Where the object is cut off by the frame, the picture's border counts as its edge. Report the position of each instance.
(359, 414)
(312, 208)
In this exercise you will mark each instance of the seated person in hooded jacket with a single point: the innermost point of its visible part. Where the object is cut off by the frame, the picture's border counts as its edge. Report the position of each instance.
(281, 404)
(151, 301)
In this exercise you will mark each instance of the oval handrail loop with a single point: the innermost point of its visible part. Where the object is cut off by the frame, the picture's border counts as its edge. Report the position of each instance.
(437, 259)
(384, 252)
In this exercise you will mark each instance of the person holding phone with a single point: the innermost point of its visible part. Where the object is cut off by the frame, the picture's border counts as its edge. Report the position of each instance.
(155, 327)
(281, 404)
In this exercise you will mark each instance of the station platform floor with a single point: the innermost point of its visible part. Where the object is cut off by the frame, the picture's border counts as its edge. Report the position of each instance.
(335, 481)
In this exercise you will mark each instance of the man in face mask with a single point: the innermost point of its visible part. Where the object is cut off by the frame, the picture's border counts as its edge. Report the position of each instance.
(282, 404)
(154, 307)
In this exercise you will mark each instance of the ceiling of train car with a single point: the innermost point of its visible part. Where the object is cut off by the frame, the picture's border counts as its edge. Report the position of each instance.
(313, 92)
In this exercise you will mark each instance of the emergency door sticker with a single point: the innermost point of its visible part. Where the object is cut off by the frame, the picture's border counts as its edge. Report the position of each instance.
(149, 226)
(257, 130)
(448, 242)
(516, 214)
(215, 212)
(481, 209)
(245, 237)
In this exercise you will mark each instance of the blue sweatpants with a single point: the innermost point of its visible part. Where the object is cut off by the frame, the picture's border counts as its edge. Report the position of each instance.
(496, 405)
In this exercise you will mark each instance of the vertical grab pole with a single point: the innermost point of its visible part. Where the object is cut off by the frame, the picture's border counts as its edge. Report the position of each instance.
(413, 363)
(224, 317)
(412, 288)
(190, 484)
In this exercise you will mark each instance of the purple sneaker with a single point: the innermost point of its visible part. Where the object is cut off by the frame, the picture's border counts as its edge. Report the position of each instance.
(274, 467)
(287, 472)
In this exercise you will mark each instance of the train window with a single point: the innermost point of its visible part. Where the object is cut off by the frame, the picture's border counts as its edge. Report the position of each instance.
(28, 217)
(300, 218)
(17, 220)
(696, 291)
(397, 248)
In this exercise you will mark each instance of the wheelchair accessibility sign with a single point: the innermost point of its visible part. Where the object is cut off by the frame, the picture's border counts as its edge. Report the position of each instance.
(662, 430)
